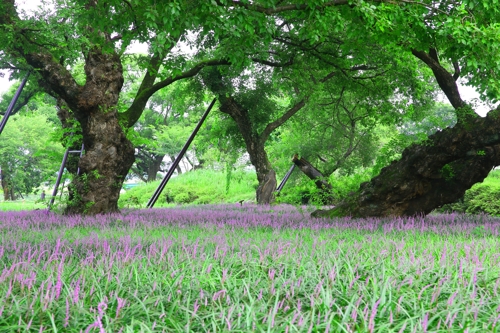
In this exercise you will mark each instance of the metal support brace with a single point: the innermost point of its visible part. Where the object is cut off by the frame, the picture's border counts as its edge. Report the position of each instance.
(61, 171)
(13, 102)
(285, 179)
(170, 172)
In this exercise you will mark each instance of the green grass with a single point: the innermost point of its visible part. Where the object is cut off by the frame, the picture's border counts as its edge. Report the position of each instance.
(195, 187)
(207, 277)
(18, 205)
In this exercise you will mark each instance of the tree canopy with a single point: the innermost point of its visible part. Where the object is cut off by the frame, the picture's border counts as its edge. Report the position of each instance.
(29, 156)
(78, 51)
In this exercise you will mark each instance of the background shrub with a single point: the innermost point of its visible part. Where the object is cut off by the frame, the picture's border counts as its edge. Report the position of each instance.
(302, 190)
(210, 187)
(481, 198)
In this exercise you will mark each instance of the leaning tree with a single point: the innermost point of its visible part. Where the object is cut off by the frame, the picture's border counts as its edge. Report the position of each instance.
(454, 39)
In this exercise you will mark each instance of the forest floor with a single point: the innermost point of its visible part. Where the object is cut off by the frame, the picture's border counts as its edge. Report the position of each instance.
(247, 268)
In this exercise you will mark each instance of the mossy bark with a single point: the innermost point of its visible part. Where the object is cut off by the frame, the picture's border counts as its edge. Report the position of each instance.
(108, 153)
(429, 175)
(435, 172)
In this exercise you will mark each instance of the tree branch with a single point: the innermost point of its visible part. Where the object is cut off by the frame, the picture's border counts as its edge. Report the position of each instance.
(433, 54)
(115, 38)
(284, 8)
(57, 76)
(139, 173)
(11, 67)
(190, 73)
(444, 78)
(273, 64)
(321, 158)
(278, 122)
(130, 117)
(327, 77)
(456, 75)
(296, 7)
(22, 101)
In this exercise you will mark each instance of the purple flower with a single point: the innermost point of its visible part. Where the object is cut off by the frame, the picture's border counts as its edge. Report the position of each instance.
(218, 294)
(121, 305)
(424, 322)
(66, 319)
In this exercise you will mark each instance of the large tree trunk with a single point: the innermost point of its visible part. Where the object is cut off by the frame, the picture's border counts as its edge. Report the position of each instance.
(108, 153)
(254, 142)
(7, 188)
(431, 174)
(154, 167)
(107, 160)
(147, 165)
(255, 148)
(437, 171)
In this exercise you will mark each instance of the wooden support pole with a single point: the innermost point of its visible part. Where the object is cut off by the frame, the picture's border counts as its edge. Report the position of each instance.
(314, 174)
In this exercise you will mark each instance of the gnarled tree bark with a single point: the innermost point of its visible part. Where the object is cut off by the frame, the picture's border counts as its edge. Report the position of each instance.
(431, 174)
(435, 172)
(108, 153)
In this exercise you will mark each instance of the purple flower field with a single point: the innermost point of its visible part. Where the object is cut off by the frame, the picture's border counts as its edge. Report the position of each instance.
(232, 268)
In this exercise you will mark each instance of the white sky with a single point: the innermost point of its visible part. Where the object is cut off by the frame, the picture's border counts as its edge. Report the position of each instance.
(469, 94)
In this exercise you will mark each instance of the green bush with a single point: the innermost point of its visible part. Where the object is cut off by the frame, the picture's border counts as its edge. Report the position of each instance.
(299, 192)
(481, 198)
(209, 187)
(343, 185)
(185, 197)
(302, 190)
(138, 196)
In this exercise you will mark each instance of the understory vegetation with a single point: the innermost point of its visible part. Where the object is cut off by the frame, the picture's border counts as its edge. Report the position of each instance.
(232, 268)
(212, 187)
(481, 198)
(195, 187)
(215, 187)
